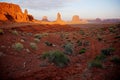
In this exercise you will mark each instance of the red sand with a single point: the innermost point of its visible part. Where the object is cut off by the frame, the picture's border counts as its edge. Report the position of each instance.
(25, 65)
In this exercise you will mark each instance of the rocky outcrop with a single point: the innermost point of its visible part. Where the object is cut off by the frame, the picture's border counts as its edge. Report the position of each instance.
(76, 20)
(12, 12)
(59, 20)
(45, 19)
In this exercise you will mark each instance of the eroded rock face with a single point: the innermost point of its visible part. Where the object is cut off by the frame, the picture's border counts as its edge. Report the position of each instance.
(12, 12)
(3, 17)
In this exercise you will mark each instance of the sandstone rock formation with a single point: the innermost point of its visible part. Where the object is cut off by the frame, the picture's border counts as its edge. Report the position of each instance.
(45, 19)
(12, 12)
(58, 17)
(59, 20)
(76, 20)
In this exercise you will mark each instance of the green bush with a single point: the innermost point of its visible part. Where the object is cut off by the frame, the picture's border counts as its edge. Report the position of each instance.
(68, 48)
(95, 63)
(15, 32)
(56, 57)
(18, 46)
(33, 46)
(115, 59)
(108, 51)
(1, 32)
(83, 50)
(39, 36)
(100, 57)
(48, 43)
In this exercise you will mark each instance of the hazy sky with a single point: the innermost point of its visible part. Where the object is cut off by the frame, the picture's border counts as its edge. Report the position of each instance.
(88, 9)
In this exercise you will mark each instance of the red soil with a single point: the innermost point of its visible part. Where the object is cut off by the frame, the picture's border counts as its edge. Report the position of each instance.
(24, 65)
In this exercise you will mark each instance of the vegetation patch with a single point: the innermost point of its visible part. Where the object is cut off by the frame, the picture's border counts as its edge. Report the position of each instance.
(56, 57)
(79, 42)
(36, 40)
(100, 57)
(38, 36)
(48, 43)
(96, 63)
(33, 45)
(18, 46)
(83, 50)
(115, 59)
(68, 48)
(82, 32)
(107, 51)
(112, 29)
(15, 32)
(117, 37)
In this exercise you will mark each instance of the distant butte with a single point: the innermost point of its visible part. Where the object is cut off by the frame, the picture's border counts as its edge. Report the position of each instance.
(59, 19)
(12, 13)
(45, 19)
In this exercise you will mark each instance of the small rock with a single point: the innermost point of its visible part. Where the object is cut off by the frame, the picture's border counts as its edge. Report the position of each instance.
(53, 45)
(22, 40)
(28, 50)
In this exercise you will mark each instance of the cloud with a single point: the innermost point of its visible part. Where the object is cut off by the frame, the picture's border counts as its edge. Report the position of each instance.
(44, 4)
(41, 4)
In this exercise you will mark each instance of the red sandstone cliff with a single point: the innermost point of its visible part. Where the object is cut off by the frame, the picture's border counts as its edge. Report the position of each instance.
(13, 12)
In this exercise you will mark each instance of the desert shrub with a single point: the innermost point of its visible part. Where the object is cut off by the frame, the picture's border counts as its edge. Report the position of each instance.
(82, 32)
(18, 46)
(79, 42)
(112, 29)
(36, 40)
(48, 43)
(39, 36)
(1, 32)
(68, 48)
(56, 57)
(14, 32)
(107, 51)
(33, 45)
(117, 37)
(83, 50)
(95, 63)
(100, 57)
(115, 59)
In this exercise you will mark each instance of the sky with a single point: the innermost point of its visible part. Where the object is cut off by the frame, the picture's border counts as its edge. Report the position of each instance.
(86, 9)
